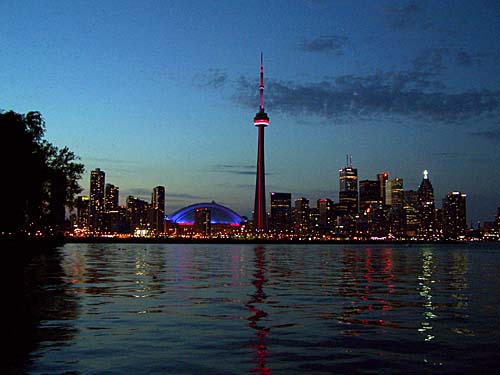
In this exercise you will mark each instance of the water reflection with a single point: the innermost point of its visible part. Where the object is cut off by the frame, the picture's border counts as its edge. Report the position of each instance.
(425, 281)
(254, 306)
(40, 308)
(366, 282)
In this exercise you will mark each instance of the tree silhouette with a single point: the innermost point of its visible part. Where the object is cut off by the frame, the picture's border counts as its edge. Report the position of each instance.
(38, 180)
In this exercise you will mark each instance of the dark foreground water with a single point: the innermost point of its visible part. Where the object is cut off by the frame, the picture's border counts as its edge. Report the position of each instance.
(244, 309)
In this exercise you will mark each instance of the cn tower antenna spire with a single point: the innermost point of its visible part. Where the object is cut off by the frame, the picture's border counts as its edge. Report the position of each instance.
(261, 87)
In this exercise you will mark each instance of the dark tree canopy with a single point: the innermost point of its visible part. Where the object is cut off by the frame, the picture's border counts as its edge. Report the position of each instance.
(38, 180)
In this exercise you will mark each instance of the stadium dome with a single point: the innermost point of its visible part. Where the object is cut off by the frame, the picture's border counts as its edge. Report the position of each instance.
(218, 214)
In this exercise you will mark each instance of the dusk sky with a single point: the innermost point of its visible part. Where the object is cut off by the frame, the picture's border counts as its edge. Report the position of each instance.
(164, 93)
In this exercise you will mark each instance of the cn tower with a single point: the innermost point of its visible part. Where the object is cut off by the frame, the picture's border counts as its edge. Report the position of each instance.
(261, 120)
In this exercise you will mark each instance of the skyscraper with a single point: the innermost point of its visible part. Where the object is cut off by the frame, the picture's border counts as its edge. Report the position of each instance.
(158, 208)
(426, 208)
(96, 200)
(348, 192)
(302, 216)
(281, 212)
(382, 180)
(111, 197)
(261, 120)
(454, 215)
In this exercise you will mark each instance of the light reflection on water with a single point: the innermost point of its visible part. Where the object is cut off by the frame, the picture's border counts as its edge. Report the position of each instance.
(273, 309)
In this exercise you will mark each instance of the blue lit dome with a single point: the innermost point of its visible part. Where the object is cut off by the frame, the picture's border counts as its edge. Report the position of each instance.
(218, 214)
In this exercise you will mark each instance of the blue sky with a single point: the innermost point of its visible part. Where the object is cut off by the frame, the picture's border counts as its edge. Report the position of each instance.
(164, 93)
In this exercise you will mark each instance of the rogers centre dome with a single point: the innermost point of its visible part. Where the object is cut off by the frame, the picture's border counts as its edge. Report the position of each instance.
(218, 215)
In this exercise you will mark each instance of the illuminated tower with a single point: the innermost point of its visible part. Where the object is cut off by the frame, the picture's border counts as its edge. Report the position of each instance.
(261, 120)
(96, 201)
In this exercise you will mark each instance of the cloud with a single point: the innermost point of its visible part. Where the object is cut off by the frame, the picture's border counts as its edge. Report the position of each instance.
(410, 94)
(212, 78)
(436, 60)
(325, 44)
(239, 169)
(407, 16)
(490, 135)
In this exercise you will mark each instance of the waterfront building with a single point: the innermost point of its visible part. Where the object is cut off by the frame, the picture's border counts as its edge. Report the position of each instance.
(224, 222)
(158, 209)
(348, 190)
(82, 212)
(302, 221)
(426, 208)
(111, 197)
(369, 194)
(281, 212)
(138, 214)
(411, 221)
(384, 190)
(96, 200)
(326, 209)
(202, 221)
(454, 215)
(396, 212)
(261, 121)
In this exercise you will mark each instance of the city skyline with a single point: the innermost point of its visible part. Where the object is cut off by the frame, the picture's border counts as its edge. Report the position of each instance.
(158, 94)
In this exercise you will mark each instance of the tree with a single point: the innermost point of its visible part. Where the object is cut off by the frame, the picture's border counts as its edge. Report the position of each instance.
(39, 180)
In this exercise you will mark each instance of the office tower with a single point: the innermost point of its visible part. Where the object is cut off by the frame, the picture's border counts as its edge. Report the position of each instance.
(261, 120)
(202, 218)
(382, 179)
(96, 200)
(138, 212)
(348, 192)
(158, 208)
(454, 215)
(396, 214)
(397, 193)
(302, 216)
(369, 194)
(326, 209)
(82, 211)
(410, 213)
(426, 208)
(111, 197)
(281, 212)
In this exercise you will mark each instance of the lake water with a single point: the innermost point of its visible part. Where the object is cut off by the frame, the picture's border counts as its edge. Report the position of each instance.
(247, 309)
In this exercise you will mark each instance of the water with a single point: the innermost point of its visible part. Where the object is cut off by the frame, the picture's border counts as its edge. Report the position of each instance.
(246, 309)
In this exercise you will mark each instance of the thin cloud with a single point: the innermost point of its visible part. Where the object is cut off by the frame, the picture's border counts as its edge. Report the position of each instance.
(212, 78)
(335, 43)
(409, 94)
(238, 169)
(407, 16)
(490, 135)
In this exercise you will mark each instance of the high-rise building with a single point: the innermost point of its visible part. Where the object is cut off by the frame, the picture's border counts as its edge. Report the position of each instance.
(382, 179)
(454, 215)
(411, 221)
(96, 200)
(138, 213)
(261, 120)
(396, 213)
(348, 192)
(202, 221)
(426, 208)
(158, 208)
(82, 211)
(369, 194)
(281, 212)
(326, 209)
(111, 197)
(302, 216)
(397, 195)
